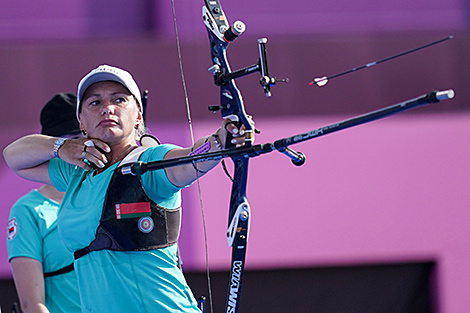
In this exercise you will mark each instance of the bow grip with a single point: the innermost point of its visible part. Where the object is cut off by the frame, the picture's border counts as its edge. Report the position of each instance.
(228, 139)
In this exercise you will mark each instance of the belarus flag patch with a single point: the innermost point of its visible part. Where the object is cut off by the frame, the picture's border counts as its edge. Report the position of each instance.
(130, 210)
(12, 229)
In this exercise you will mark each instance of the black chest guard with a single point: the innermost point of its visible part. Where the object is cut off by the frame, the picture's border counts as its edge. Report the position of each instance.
(130, 221)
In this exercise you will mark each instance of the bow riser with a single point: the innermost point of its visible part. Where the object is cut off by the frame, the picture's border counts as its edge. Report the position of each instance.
(231, 100)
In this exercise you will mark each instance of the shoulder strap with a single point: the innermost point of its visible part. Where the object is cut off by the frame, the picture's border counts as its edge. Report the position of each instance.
(133, 156)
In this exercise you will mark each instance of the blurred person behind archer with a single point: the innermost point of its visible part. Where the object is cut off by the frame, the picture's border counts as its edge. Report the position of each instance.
(42, 266)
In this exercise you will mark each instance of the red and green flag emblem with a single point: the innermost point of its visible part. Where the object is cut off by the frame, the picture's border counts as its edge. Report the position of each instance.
(130, 210)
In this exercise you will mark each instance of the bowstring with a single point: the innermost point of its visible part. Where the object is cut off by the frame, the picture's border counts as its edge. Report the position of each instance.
(188, 111)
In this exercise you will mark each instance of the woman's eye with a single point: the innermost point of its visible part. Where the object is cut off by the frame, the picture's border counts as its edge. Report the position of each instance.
(94, 103)
(121, 101)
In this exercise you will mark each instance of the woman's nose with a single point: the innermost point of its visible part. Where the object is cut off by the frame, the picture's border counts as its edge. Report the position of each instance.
(107, 108)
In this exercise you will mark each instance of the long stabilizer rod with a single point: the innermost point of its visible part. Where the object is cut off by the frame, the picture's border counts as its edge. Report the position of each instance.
(282, 145)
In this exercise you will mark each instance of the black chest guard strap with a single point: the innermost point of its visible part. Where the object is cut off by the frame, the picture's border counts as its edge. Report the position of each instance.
(61, 271)
(130, 221)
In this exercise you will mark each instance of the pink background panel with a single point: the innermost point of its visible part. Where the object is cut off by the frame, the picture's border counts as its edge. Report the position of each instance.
(394, 190)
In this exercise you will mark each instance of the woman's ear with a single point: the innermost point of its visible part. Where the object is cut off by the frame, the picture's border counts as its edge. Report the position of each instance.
(82, 128)
(139, 120)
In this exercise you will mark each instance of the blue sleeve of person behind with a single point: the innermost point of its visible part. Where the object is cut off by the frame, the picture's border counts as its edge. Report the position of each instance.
(23, 233)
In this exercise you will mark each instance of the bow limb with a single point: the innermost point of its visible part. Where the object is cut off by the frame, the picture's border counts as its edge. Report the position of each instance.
(237, 233)
(231, 107)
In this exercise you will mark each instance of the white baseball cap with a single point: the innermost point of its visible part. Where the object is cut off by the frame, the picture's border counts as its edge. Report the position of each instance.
(108, 73)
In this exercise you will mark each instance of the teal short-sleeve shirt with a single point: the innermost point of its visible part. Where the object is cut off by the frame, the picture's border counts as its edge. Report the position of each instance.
(32, 232)
(120, 281)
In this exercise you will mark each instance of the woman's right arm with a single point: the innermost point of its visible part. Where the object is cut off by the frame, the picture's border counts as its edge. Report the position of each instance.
(28, 157)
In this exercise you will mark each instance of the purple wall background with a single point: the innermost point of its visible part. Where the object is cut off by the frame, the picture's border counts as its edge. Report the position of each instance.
(392, 190)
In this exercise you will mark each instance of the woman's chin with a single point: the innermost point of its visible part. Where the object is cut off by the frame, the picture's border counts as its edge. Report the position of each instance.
(108, 135)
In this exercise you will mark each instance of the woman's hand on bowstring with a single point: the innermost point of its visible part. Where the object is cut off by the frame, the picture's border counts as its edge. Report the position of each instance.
(85, 153)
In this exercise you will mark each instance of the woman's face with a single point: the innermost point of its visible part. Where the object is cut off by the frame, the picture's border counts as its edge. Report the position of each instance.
(109, 112)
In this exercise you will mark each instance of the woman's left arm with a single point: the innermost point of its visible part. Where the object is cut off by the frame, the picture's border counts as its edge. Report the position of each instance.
(186, 174)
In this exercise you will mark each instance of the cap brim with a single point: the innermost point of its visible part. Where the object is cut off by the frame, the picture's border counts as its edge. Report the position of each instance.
(99, 77)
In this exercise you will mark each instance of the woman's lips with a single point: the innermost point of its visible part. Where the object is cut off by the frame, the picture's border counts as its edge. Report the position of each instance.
(107, 122)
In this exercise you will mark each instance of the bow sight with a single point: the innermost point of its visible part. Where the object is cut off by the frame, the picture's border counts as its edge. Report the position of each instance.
(219, 29)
